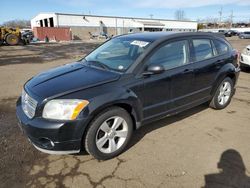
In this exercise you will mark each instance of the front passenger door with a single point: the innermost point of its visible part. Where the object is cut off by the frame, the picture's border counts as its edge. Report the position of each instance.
(168, 90)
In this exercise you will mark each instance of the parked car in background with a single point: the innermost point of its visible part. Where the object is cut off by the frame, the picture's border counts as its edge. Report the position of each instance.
(245, 58)
(244, 35)
(226, 33)
(129, 81)
(27, 37)
(233, 32)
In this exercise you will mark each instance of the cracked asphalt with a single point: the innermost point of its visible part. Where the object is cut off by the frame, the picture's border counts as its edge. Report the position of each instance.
(201, 147)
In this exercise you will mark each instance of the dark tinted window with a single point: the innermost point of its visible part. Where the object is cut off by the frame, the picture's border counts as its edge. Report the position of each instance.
(51, 22)
(171, 55)
(45, 22)
(41, 23)
(221, 47)
(202, 49)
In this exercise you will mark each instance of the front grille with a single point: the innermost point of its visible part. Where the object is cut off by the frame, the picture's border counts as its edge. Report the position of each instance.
(28, 105)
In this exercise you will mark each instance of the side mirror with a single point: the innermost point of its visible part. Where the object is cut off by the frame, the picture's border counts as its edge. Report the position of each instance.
(153, 69)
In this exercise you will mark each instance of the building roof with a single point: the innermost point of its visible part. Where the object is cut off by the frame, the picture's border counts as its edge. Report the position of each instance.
(123, 17)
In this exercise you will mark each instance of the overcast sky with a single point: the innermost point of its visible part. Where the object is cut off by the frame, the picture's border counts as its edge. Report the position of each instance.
(194, 9)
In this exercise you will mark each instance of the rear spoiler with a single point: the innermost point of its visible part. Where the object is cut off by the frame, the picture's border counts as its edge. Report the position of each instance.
(217, 34)
(221, 35)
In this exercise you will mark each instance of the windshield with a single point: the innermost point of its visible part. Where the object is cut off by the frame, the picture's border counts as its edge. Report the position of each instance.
(118, 53)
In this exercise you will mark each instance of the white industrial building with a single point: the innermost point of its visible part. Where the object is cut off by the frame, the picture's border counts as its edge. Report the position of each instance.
(239, 29)
(82, 25)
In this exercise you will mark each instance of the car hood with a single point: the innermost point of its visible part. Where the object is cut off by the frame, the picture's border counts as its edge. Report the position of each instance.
(67, 79)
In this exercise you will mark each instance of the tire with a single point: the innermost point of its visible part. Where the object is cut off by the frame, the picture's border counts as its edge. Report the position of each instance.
(12, 39)
(103, 133)
(223, 94)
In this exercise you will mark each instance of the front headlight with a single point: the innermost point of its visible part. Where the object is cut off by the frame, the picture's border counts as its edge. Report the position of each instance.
(64, 109)
(246, 51)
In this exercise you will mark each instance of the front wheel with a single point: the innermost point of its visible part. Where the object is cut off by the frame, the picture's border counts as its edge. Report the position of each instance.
(12, 39)
(223, 94)
(109, 133)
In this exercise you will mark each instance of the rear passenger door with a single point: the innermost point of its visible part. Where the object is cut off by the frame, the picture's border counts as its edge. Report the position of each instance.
(206, 66)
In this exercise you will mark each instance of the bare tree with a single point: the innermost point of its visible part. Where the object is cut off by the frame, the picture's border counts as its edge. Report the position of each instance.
(17, 23)
(179, 15)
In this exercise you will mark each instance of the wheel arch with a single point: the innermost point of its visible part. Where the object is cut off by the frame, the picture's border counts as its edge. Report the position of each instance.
(126, 105)
(226, 71)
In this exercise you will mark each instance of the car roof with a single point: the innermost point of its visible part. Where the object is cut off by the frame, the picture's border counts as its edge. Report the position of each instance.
(148, 36)
(153, 36)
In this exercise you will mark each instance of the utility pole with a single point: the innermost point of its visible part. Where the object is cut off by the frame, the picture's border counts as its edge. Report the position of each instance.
(220, 15)
(231, 18)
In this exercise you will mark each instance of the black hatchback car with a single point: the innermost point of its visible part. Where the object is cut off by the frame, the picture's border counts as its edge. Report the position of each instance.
(130, 80)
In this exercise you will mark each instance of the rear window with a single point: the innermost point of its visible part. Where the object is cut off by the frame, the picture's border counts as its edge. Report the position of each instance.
(202, 49)
(247, 33)
(221, 47)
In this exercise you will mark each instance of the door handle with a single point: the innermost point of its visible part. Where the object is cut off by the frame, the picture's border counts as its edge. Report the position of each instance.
(187, 71)
(220, 60)
(218, 63)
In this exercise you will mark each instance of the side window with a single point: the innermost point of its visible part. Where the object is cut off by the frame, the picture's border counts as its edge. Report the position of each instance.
(202, 49)
(221, 47)
(171, 55)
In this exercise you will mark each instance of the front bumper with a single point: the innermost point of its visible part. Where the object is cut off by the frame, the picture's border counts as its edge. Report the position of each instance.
(54, 137)
(245, 60)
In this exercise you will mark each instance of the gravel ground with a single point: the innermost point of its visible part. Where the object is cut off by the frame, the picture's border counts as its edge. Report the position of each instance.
(192, 149)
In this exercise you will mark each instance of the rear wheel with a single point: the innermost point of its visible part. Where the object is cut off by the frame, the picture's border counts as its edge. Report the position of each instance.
(109, 133)
(12, 39)
(223, 94)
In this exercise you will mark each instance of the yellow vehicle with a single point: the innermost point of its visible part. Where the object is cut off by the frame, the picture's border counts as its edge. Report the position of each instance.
(11, 36)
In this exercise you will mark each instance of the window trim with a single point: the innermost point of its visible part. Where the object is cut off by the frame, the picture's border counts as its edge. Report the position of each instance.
(211, 40)
(228, 47)
(193, 51)
(164, 43)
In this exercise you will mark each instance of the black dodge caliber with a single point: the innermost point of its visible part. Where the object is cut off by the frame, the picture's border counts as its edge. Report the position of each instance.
(97, 102)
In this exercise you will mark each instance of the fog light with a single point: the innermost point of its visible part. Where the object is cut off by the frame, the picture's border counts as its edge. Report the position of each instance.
(46, 143)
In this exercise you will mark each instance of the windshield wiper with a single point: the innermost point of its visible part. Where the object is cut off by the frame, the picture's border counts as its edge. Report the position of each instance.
(98, 64)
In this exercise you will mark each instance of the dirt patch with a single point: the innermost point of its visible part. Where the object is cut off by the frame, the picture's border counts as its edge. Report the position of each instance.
(43, 53)
(17, 154)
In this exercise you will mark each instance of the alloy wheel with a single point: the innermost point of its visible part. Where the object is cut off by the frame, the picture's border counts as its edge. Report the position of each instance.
(112, 134)
(225, 93)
